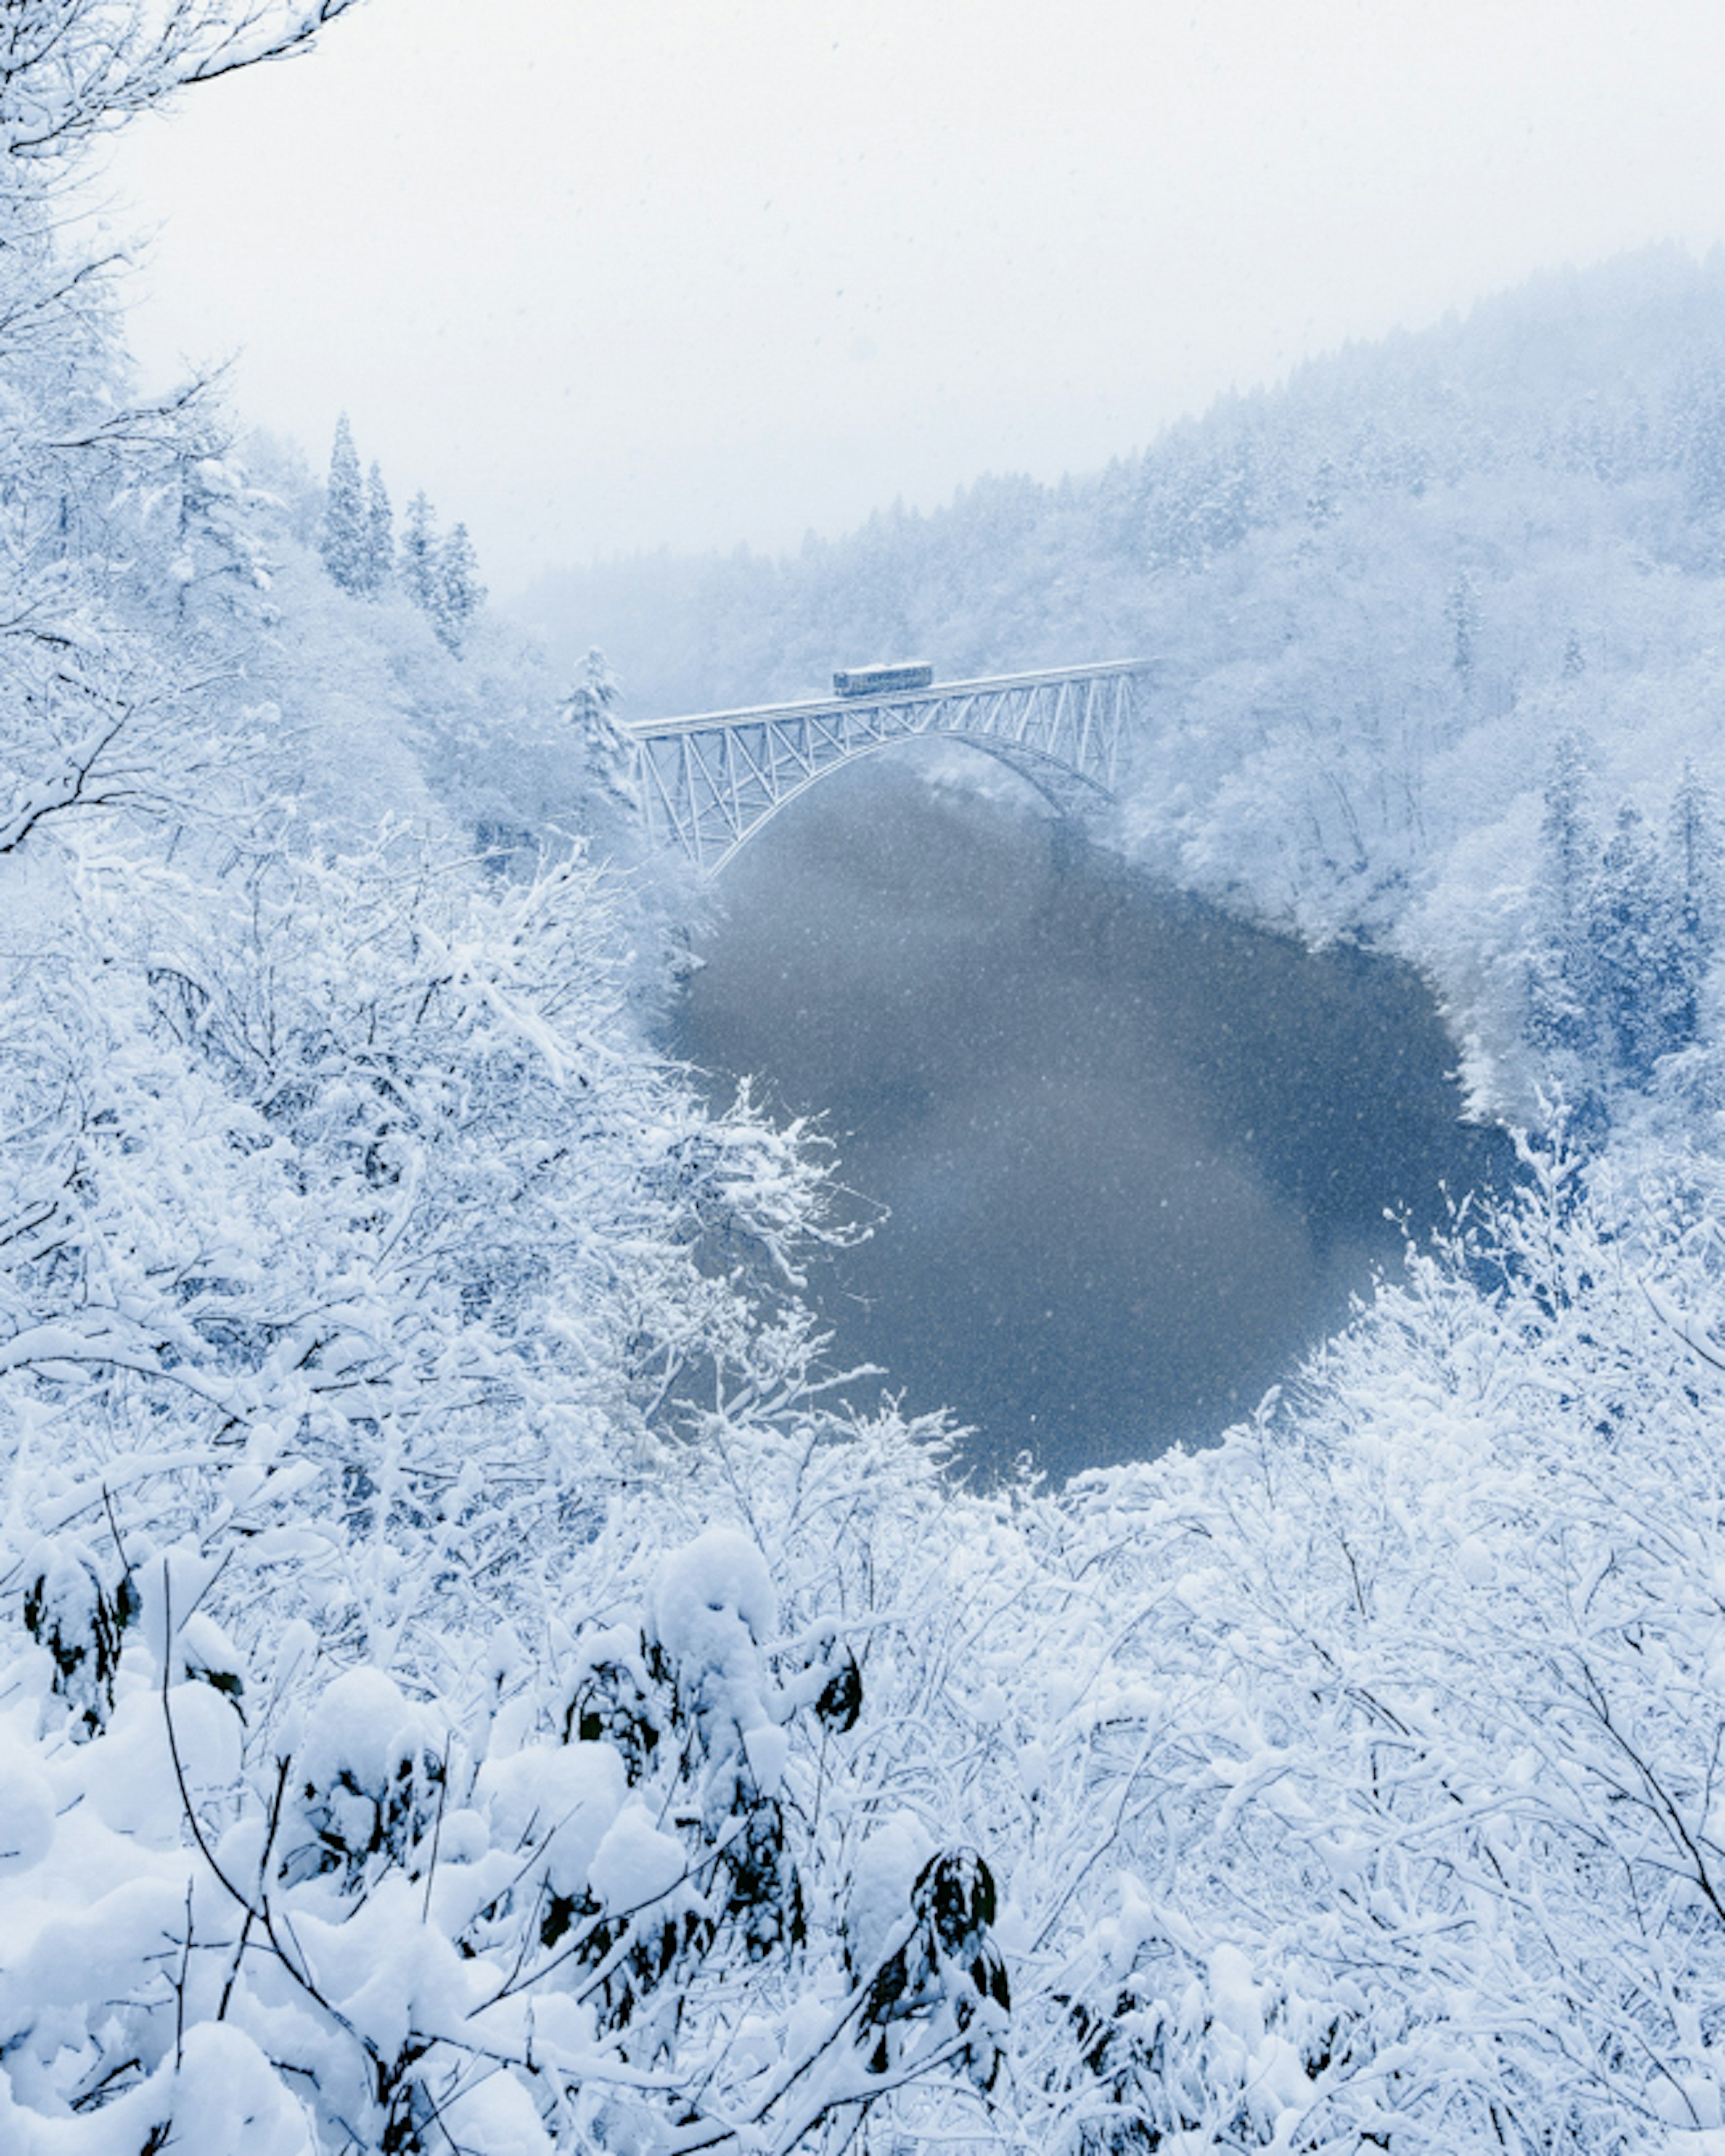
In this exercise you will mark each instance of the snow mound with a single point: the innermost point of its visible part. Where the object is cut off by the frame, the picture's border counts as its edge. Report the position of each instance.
(887, 1867)
(562, 1798)
(705, 1591)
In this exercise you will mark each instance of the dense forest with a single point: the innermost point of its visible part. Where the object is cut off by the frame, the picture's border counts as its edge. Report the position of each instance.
(466, 1687)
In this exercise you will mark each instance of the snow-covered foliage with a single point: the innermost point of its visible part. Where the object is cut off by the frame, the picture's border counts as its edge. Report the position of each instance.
(377, 1321)
(592, 1907)
(463, 1687)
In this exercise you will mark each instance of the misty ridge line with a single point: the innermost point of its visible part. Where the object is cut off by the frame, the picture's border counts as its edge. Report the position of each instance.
(1607, 362)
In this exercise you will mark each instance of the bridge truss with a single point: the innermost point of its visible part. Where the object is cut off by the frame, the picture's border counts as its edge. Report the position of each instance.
(708, 783)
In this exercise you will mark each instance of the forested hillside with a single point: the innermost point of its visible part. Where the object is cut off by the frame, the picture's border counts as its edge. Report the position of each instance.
(1377, 599)
(464, 1688)
(1494, 479)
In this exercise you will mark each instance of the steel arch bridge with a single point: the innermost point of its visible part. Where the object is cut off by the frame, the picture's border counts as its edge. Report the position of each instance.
(707, 784)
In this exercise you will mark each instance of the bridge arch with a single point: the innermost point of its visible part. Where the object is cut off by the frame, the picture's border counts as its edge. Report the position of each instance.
(1068, 792)
(706, 784)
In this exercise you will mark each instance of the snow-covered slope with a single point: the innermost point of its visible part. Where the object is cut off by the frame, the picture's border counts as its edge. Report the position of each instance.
(463, 1686)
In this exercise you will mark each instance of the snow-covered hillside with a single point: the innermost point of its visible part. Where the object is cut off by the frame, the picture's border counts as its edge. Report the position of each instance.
(1378, 599)
(463, 1687)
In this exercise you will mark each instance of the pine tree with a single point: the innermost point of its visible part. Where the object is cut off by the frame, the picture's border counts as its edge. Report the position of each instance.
(1629, 936)
(1462, 612)
(596, 691)
(380, 536)
(1695, 876)
(344, 543)
(1646, 1000)
(1567, 834)
(1696, 855)
(1561, 988)
(457, 594)
(1702, 447)
(1322, 507)
(592, 710)
(419, 554)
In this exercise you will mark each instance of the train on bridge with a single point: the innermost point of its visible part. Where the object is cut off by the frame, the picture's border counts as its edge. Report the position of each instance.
(883, 680)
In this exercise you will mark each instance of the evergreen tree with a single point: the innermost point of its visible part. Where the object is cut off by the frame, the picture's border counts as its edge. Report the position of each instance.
(1322, 504)
(1462, 612)
(1642, 991)
(1615, 981)
(1702, 450)
(596, 692)
(1695, 857)
(458, 594)
(1695, 873)
(1562, 992)
(592, 710)
(380, 535)
(419, 554)
(1567, 836)
(345, 541)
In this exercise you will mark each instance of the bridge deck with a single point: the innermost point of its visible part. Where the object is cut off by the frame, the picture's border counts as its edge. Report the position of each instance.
(820, 707)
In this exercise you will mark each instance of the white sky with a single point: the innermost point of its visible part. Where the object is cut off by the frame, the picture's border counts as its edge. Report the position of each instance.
(608, 275)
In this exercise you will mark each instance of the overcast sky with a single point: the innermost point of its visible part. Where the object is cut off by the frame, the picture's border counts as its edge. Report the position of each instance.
(698, 272)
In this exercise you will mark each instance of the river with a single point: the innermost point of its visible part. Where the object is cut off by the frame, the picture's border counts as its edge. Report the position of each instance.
(1127, 1159)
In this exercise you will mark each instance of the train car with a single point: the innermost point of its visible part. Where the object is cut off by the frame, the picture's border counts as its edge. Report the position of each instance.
(882, 680)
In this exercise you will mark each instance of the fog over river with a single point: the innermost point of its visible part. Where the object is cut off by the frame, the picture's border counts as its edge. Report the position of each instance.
(1134, 1156)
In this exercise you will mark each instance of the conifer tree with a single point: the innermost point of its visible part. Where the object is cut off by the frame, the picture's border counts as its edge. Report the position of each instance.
(1695, 876)
(380, 536)
(457, 594)
(1561, 999)
(419, 554)
(592, 710)
(1641, 989)
(1567, 834)
(596, 692)
(1629, 933)
(1462, 612)
(344, 544)
(1695, 857)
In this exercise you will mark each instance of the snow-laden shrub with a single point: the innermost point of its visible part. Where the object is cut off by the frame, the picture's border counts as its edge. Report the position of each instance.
(78, 1615)
(368, 1909)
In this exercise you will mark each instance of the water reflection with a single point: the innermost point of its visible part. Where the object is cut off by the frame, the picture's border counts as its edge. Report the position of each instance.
(1136, 1156)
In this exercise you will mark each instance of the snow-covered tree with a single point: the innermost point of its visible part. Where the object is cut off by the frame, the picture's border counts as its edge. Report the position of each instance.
(1644, 972)
(596, 692)
(1563, 991)
(1697, 861)
(419, 554)
(1461, 610)
(115, 512)
(78, 69)
(345, 538)
(591, 708)
(379, 535)
(368, 1302)
(457, 593)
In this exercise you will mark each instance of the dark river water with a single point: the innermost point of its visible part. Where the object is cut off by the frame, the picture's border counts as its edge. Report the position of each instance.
(1127, 1159)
